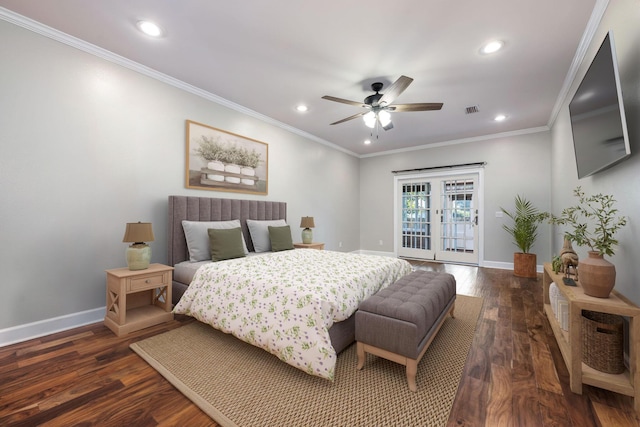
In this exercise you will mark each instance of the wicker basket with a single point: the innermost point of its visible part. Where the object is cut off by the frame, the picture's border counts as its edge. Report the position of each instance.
(602, 341)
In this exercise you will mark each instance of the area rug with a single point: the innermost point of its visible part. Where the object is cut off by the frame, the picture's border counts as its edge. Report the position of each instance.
(239, 385)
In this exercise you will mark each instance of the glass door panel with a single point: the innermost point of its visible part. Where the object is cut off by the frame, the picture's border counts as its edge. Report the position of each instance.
(458, 231)
(416, 219)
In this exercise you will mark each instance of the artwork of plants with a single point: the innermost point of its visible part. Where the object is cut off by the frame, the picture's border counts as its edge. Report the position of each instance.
(212, 149)
(223, 161)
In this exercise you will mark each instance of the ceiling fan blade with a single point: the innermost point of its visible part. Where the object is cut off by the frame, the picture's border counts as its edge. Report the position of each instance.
(393, 91)
(423, 106)
(355, 116)
(344, 101)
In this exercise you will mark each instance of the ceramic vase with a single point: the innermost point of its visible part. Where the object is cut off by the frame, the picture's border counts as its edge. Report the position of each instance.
(597, 275)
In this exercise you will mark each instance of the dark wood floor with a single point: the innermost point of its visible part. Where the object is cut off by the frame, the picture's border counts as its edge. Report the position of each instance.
(514, 375)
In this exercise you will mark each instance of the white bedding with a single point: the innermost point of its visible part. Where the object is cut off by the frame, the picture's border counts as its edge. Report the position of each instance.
(285, 302)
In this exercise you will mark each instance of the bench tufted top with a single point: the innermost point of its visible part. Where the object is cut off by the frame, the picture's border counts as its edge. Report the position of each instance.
(418, 298)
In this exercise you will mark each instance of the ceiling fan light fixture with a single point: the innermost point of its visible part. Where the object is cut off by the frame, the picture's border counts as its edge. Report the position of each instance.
(384, 117)
(370, 119)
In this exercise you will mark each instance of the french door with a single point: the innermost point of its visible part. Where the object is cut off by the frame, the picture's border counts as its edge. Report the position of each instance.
(437, 218)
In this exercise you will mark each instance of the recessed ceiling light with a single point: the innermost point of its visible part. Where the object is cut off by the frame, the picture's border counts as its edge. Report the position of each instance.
(367, 141)
(149, 28)
(492, 47)
(302, 108)
(499, 117)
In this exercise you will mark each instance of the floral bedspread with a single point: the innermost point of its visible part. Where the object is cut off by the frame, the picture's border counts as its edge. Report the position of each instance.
(285, 302)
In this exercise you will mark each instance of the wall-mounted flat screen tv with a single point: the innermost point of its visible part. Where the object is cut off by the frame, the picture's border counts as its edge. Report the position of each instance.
(600, 137)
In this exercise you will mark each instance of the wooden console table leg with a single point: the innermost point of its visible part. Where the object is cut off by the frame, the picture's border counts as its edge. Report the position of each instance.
(575, 339)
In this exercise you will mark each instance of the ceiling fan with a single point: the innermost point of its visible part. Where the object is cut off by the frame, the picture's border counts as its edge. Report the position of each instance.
(379, 104)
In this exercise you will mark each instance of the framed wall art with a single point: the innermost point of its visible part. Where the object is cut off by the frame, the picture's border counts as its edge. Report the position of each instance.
(223, 161)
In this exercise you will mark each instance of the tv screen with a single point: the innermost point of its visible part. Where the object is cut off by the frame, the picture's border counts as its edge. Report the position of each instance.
(600, 138)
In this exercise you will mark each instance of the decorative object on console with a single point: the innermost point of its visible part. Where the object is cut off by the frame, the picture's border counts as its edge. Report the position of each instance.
(594, 223)
(524, 231)
(138, 253)
(223, 161)
(307, 234)
(568, 258)
(556, 264)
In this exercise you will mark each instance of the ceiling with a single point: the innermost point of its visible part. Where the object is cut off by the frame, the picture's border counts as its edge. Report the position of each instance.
(269, 56)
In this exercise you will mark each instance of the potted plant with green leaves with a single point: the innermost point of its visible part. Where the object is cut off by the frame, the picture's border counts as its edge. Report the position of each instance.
(524, 230)
(593, 222)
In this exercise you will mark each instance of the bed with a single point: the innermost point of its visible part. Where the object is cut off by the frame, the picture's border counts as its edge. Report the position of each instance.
(296, 304)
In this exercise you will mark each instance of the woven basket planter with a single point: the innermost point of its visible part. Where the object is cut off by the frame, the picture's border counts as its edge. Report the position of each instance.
(602, 341)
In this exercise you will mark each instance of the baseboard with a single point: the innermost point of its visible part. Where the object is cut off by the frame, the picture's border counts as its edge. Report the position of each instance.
(41, 328)
(498, 265)
(379, 253)
(506, 266)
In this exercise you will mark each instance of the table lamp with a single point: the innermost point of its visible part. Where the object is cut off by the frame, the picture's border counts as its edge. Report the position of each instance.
(307, 224)
(138, 253)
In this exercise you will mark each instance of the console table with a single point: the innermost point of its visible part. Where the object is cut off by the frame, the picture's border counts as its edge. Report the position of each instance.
(570, 343)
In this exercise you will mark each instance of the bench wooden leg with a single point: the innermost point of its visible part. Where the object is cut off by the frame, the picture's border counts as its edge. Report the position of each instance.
(451, 311)
(412, 370)
(361, 355)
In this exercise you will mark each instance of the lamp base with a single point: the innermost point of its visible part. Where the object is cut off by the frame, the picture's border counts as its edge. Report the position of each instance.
(138, 256)
(307, 236)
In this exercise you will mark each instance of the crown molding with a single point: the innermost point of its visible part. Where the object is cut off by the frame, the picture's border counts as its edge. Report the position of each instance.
(587, 37)
(461, 141)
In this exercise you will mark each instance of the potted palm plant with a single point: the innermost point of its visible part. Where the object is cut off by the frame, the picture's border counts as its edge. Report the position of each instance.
(524, 231)
(593, 222)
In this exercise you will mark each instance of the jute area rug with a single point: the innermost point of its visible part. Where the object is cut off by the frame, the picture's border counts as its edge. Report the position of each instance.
(237, 384)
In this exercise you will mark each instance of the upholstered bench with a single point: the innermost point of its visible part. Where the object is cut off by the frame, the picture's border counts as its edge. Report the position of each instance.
(399, 322)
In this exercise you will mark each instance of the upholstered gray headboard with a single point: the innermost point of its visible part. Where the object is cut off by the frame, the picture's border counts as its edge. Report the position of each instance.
(214, 209)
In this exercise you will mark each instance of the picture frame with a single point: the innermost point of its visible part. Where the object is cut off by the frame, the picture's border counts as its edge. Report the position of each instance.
(218, 160)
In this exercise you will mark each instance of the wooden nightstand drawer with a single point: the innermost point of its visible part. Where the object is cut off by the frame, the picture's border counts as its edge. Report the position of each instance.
(146, 282)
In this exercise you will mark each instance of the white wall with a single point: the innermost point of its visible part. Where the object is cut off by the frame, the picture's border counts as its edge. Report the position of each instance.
(87, 145)
(515, 165)
(623, 180)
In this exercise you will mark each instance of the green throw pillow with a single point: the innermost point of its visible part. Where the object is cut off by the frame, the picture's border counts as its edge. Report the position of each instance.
(280, 238)
(225, 243)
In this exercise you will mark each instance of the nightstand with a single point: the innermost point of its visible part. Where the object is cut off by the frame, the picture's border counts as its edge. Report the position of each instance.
(138, 299)
(319, 246)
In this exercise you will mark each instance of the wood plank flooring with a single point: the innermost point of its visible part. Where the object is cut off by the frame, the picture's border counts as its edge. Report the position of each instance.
(514, 375)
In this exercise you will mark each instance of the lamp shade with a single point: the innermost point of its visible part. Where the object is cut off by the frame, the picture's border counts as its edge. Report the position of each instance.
(384, 117)
(370, 119)
(138, 232)
(307, 222)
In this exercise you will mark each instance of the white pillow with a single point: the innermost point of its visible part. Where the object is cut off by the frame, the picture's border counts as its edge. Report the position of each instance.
(259, 231)
(198, 237)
